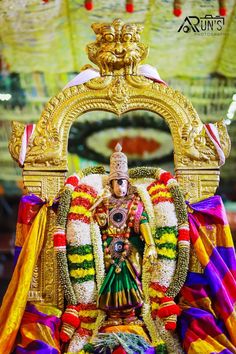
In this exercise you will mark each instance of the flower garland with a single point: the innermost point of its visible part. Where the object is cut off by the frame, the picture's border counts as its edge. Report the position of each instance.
(75, 257)
(162, 293)
(96, 238)
(146, 309)
(172, 233)
(165, 240)
(59, 238)
(82, 273)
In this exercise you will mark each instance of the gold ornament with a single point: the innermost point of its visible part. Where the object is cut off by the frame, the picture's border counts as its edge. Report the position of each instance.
(117, 49)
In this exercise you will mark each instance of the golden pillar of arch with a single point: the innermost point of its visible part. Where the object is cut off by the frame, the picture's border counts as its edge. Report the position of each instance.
(117, 51)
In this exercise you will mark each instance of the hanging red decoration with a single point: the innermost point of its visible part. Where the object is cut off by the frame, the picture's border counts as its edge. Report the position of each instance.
(129, 6)
(88, 4)
(177, 11)
(222, 8)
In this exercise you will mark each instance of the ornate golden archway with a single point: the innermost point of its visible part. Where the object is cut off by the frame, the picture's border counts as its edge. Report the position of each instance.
(119, 89)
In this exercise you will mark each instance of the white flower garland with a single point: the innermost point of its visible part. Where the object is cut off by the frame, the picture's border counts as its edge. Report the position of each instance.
(78, 233)
(164, 218)
(77, 342)
(96, 238)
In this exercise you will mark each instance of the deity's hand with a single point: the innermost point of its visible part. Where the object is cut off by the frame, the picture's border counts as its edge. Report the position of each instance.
(151, 255)
(106, 194)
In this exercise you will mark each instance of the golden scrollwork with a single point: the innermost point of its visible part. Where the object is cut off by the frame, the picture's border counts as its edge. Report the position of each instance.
(224, 137)
(15, 140)
(117, 49)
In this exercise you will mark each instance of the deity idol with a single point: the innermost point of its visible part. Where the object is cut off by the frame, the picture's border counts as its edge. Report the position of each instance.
(125, 231)
(110, 270)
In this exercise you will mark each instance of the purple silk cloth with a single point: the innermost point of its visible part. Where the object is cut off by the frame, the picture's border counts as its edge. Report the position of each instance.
(36, 347)
(39, 333)
(207, 299)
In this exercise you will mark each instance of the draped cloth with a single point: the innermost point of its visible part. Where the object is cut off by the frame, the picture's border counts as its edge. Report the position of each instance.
(39, 330)
(15, 299)
(208, 319)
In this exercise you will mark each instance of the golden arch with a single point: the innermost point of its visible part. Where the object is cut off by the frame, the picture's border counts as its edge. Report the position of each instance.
(195, 158)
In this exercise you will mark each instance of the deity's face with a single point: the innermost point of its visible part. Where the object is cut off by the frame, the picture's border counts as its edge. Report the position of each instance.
(120, 187)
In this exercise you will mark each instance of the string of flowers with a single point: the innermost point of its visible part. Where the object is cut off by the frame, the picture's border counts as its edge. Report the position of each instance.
(183, 239)
(154, 331)
(96, 239)
(166, 242)
(168, 308)
(59, 239)
(146, 309)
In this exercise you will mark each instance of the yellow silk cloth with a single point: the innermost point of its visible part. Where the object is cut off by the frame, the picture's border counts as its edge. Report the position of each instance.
(129, 328)
(15, 299)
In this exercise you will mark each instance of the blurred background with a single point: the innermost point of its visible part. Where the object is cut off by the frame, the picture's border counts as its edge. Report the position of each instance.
(43, 47)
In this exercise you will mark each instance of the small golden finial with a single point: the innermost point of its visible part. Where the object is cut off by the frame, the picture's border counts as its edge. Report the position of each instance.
(117, 50)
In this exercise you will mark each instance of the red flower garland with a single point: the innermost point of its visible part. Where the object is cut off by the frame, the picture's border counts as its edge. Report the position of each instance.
(183, 235)
(81, 307)
(81, 201)
(168, 307)
(86, 189)
(59, 239)
(72, 181)
(165, 177)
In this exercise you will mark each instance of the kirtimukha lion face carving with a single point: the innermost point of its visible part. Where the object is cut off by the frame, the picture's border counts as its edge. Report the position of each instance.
(117, 48)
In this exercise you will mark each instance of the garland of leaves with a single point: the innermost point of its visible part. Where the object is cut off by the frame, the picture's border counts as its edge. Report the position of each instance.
(183, 245)
(60, 243)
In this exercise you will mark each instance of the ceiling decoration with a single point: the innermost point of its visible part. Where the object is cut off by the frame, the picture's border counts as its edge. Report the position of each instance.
(52, 37)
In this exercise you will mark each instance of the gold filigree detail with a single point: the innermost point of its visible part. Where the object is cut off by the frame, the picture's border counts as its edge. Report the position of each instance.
(35, 280)
(194, 264)
(117, 49)
(119, 94)
(16, 140)
(224, 137)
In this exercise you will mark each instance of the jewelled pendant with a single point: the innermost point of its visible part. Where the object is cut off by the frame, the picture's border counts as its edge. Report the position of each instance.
(118, 270)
